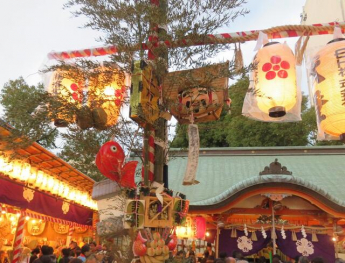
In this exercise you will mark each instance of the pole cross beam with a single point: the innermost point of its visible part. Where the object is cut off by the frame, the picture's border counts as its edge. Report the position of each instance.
(224, 38)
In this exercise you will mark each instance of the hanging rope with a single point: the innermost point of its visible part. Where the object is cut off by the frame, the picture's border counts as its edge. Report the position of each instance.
(225, 38)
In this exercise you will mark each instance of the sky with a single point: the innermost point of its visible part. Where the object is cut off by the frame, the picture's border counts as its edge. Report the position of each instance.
(29, 30)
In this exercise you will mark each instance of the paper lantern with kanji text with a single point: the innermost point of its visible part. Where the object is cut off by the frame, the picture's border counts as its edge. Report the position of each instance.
(328, 70)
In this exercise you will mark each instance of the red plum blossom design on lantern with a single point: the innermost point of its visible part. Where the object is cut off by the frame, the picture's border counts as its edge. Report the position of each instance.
(276, 67)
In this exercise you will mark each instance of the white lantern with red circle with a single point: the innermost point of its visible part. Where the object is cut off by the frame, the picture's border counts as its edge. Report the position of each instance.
(275, 79)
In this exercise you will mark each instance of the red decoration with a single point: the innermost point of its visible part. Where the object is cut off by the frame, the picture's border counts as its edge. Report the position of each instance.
(110, 162)
(173, 242)
(200, 223)
(139, 248)
(272, 74)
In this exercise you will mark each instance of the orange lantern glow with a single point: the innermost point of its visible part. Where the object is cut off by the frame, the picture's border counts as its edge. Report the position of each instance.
(16, 170)
(26, 172)
(68, 90)
(275, 79)
(106, 93)
(329, 88)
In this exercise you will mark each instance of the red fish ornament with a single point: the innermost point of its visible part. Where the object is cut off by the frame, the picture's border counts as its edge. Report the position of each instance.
(110, 162)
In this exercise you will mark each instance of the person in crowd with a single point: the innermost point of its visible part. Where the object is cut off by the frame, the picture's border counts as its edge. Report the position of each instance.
(85, 252)
(76, 260)
(45, 255)
(100, 256)
(210, 259)
(66, 257)
(25, 255)
(91, 259)
(51, 254)
(338, 260)
(230, 260)
(34, 254)
(317, 260)
(261, 259)
(276, 259)
(222, 257)
(209, 252)
(179, 257)
(303, 260)
(93, 247)
(191, 257)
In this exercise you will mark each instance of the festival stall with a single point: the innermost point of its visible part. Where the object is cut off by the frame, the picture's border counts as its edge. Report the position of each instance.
(43, 200)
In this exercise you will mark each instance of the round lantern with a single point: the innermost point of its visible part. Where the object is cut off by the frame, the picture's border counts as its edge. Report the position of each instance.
(106, 92)
(200, 225)
(329, 87)
(67, 90)
(275, 79)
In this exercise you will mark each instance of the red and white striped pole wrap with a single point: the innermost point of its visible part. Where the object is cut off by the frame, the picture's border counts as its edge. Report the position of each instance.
(151, 143)
(225, 38)
(151, 156)
(18, 239)
(70, 235)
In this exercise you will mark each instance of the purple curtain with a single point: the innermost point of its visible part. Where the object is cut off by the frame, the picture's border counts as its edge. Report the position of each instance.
(12, 194)
(323, 248)
(229, 245)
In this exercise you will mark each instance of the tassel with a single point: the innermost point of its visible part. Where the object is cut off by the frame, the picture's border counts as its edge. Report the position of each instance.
(314, 236)
(238, 61)
(254, 237)
(273, 234)
(299, 50)
(293, 236)
(233, 232)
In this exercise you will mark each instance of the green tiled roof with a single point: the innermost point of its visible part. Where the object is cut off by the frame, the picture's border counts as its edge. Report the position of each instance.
(222, 172)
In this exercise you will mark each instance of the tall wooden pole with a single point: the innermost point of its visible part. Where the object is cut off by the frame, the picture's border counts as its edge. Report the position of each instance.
(158, 34)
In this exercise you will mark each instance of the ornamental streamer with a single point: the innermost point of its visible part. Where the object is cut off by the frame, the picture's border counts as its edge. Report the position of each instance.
(193, 155)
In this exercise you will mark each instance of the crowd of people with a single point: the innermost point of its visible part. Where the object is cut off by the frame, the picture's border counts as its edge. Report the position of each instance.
(89, 253)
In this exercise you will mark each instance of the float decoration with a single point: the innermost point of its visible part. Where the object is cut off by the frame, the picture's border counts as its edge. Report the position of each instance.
(198, 93)
(110, 161)
(88, 97)
(157, 214)
(180, 211)
(144, 94)
(134, 214)
(153, 251)
(273, 94)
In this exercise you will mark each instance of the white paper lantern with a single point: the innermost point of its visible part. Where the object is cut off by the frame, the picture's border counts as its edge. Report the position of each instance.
(275, 79)
(329, 88)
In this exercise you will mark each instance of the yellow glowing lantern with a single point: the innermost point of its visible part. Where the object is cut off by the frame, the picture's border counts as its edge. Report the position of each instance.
(56, 187)
(65, 191)
(275, 79)
(61, 189)
(44, 185)
(26, 172)
(69, 90)
(39, 178)
(72, 195)
(184, 232)
(33, 176)
(329, 88)
(50, 183)
(106, 94)
(16, 170)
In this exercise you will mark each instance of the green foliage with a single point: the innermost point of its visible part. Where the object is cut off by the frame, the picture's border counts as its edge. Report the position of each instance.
(25, 108)
(235, 130)
(127, 23)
